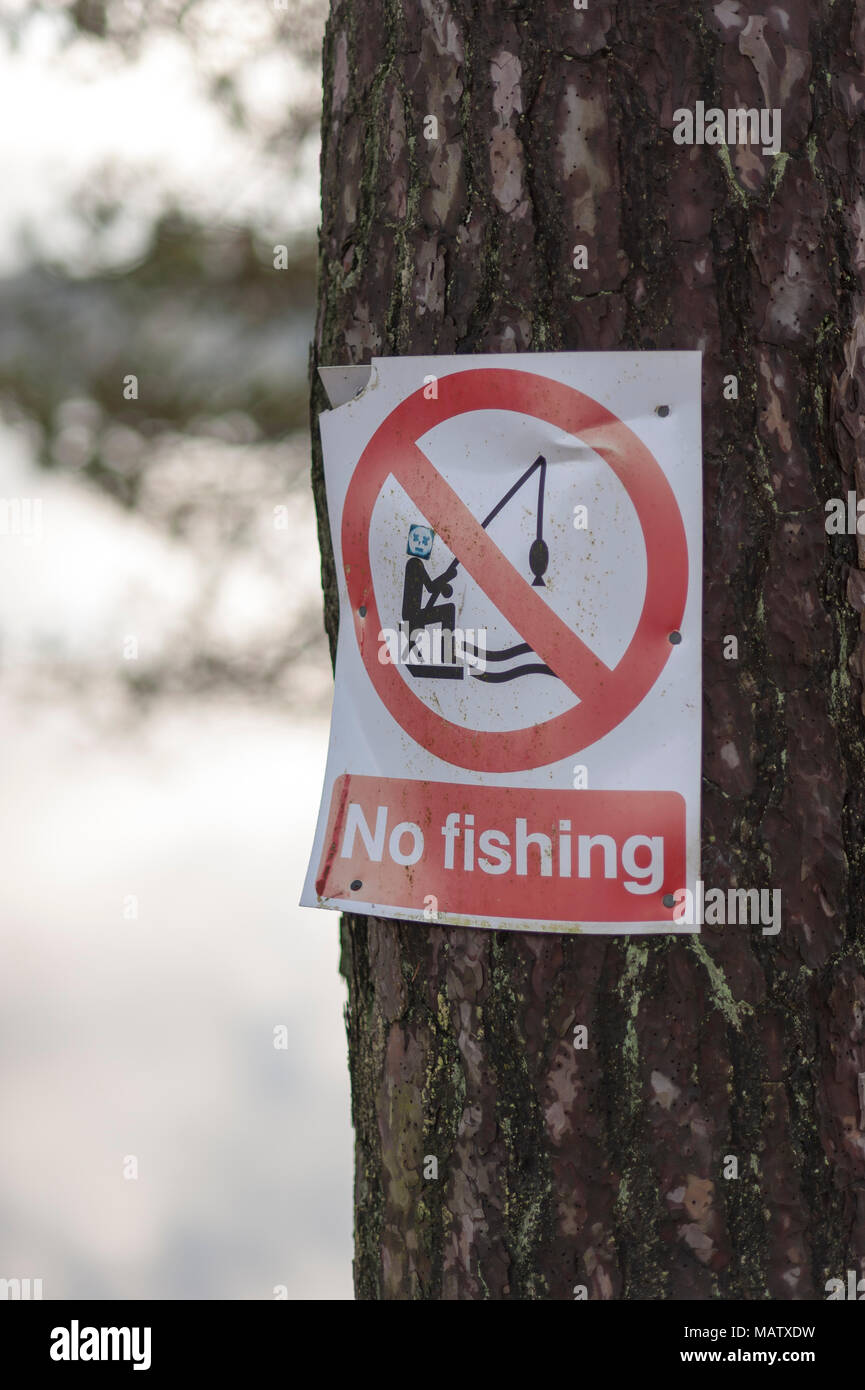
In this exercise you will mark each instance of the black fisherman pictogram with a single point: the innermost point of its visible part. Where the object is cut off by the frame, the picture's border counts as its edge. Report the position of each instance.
(420, 612)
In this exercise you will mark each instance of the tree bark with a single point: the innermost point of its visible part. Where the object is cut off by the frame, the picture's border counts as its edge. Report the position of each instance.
(605, 1167)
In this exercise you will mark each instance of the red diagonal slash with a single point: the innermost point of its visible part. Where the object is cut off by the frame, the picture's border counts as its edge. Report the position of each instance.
(607, 696)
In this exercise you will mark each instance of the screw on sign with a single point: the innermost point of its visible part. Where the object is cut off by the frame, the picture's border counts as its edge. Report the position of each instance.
(606, 695)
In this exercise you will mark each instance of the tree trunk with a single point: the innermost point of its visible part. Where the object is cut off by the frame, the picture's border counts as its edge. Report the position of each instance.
(605, 1167)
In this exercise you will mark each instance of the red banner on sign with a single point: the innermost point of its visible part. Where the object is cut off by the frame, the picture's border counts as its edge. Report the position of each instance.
(456, 850)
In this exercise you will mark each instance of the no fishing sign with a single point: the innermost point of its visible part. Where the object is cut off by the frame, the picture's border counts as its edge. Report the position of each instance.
(515, 740)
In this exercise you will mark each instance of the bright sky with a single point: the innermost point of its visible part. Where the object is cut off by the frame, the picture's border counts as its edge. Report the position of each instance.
(72, 114)
(154, 1035)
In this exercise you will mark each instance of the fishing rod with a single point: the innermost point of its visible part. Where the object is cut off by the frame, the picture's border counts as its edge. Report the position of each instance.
(539, 553)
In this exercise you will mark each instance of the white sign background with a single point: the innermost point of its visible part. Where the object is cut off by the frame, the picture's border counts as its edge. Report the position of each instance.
(596, 582)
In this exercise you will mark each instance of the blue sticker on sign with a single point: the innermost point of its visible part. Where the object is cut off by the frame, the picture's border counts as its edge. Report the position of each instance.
(420, 539)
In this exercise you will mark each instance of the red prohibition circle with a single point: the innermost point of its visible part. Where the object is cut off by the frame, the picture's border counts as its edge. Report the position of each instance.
(607, 695)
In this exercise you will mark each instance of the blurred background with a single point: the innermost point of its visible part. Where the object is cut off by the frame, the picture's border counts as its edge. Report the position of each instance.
(173, 1084)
